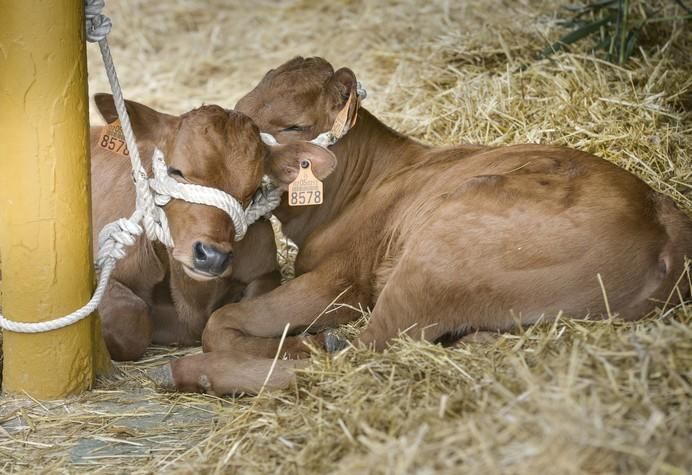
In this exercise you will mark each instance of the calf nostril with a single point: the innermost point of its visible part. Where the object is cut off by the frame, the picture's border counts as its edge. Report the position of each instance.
(200, 252)
(210, 259)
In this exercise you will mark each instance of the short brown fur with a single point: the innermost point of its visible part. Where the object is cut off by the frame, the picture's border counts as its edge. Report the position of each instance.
(159, 295)
(447, 240)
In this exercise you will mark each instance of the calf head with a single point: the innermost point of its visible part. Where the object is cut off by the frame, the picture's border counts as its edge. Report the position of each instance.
(218, 148)
(301, 99)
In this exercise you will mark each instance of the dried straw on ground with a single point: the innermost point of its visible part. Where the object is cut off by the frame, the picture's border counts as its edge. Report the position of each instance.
(564, 397)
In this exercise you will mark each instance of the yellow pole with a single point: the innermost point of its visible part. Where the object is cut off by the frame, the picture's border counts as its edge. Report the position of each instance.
(45, 222)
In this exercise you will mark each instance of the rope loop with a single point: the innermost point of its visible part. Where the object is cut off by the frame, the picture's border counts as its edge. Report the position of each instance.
(266, 199)
(166, 188)
(325, 139)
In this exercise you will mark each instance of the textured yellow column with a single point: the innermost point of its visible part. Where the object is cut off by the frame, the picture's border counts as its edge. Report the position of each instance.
(45, 208)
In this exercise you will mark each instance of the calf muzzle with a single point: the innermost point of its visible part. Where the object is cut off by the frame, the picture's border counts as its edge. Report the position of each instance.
(209, 259)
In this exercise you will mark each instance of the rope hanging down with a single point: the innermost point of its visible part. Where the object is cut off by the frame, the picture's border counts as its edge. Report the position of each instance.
(151, 195)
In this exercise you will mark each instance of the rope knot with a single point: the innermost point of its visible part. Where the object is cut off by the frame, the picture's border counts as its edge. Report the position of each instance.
(326, 139)
(97, 25)
(114, 237)
(266, 199)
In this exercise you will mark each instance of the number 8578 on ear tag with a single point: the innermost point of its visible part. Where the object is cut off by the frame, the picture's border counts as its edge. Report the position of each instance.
(306, 189)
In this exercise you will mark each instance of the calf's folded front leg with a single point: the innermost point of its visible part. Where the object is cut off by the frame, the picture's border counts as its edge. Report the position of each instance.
(254, 326)
(262, 285)
(126, 322)
(241, 340)
(225, 373)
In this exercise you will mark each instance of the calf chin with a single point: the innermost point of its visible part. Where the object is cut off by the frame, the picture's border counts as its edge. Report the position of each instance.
(204, 277)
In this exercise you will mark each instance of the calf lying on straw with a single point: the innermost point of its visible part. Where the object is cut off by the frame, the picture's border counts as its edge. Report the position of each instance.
(165, 295)
(438, 240)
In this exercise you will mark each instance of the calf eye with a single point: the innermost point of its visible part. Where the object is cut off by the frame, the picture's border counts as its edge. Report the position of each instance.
(296, 128)
(175, 173)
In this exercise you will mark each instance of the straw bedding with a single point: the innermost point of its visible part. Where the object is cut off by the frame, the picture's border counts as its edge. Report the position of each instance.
(561, 397)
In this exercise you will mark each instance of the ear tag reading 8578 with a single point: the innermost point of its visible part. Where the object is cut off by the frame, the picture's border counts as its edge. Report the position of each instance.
(112, 139)
(306, 189)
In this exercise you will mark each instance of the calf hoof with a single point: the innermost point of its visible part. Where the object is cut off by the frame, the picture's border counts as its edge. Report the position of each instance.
(333, 342)
(162, 377)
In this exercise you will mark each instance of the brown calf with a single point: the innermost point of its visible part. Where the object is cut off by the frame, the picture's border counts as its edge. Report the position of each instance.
(442, 241)
(165, 295)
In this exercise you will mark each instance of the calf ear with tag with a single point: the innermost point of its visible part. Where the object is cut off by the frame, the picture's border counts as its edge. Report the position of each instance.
(344, 82)
(147, 123)
(306, 189)
(112, 139)
(347, 116)
(286, 162)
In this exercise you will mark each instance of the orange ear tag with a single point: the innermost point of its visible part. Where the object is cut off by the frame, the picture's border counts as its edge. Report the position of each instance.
(342, 118)
(112, 139)
(306, 189)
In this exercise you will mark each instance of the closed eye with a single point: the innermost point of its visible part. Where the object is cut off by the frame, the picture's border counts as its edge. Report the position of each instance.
(296, 128)
(174, 172)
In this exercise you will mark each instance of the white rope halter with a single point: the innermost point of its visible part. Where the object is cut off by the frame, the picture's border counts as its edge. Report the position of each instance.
(151, 195)
(167, 188)
(325, 139)
(115, 236)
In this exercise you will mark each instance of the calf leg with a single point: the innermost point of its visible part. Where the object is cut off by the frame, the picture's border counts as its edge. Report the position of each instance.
(262, 285)
(226, 372)
(429, 294)
(416, 302)
(253, 326)
(126, 322)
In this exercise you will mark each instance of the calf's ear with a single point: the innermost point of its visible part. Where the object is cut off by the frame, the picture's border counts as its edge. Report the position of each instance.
(284, 161)
(341, 85)
(342, 90)
(147, 123)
